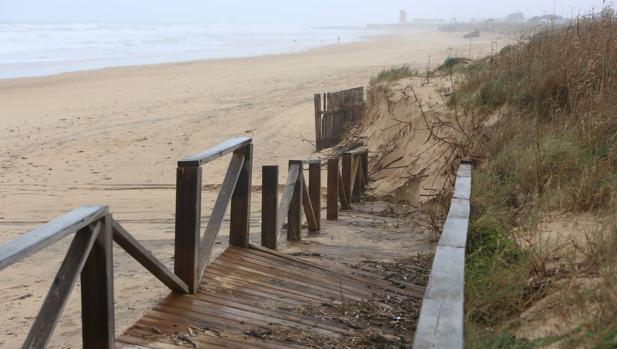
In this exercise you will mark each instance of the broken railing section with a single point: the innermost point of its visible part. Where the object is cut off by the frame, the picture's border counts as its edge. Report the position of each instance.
(297, 197)
(441, 318)
(192, 250)
(90, 257)
(347, 180)
(334, 112)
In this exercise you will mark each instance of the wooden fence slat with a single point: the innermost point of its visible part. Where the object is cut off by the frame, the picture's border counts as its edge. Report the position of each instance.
(125, 240)
(218, 212)
(269, 206)
(58, 294)
(341, 193)
(240, 215)
(317, 101)
(188, 225)
(97, 292)
(294, 216)
(347, 177)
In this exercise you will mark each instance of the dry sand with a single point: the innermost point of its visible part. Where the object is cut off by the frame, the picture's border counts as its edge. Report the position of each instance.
(113, 136)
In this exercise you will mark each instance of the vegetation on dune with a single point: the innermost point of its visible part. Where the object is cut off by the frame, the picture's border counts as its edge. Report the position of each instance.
(393, 74)
(547, 117)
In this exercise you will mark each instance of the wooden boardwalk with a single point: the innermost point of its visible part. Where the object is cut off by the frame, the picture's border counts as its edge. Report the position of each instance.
(245, 291)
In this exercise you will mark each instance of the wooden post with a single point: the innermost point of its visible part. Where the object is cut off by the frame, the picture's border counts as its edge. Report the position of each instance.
(269, 206)
(97, 292)
(188, 223)
(347, 179)
(365, 170)
(294, 217)
(332, 196)
(240, 215)
(315, 190)
(317, 98)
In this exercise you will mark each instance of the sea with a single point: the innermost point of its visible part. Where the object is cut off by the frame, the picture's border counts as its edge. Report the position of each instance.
(46, 49)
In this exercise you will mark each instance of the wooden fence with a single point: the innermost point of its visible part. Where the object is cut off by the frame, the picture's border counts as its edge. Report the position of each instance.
(347, 181)
(334, 112)
(441, 318)
(90, 253)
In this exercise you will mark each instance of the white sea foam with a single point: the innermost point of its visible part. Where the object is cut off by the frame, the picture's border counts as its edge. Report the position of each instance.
(45, 49)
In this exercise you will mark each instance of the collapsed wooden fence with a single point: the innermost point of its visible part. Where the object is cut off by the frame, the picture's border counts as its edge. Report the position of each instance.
(441, 318)
(334, 112)
(94, 228)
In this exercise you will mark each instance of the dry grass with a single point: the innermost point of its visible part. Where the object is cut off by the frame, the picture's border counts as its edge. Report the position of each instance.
(545, 114)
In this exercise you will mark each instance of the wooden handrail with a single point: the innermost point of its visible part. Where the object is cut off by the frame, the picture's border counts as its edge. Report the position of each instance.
(440, 324)
(215, 152)
(48, 234)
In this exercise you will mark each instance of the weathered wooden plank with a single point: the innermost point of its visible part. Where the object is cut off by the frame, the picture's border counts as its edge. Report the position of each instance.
(345, 203)
(240, 215)
(188, 225)
(440, 324)
(292, 178)
(317, 100)
(446, 280)
(294, 216)
(332, 190)
(269, 206)
(218, 212)
(315, 191)
(97, 292)
(307, 205)
(215, 152)
(47, 319)
(124, 239)
(462, 188)
(356, 151)
(49, 233)
(459, 208)
(454, 233)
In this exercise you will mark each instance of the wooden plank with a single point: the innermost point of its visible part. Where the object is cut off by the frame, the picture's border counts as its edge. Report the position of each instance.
(58, 294)
(215, 152)
(292, 178)
(97, 292)
(315, 191)
(307, 205)
(364, 156)
(440, 324)
(188, 225)
(49, 233)
(332, 190)
(218, 212)
(240, 215)
(124, 239)
(269, 206)
(294, 216)
(356, 151)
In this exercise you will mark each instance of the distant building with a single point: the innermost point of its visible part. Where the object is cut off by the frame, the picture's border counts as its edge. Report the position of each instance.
(402, 19)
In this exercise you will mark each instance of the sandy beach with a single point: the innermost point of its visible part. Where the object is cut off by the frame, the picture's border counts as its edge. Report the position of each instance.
(113, 137)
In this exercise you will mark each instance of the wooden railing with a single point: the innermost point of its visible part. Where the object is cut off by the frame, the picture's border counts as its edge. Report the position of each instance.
(90, 257)
(441, 318)
(192, 251)
(334, 112)
(347, 181)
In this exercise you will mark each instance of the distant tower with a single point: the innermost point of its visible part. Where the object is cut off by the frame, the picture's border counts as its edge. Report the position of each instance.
(402, 19)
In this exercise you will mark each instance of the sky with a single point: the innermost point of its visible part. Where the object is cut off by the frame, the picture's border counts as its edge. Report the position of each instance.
(284, 12)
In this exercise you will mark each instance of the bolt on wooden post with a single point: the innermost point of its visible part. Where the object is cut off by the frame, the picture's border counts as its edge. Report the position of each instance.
(269, 206)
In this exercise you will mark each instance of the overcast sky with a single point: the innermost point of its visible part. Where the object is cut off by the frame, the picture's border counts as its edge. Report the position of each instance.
(307, 12)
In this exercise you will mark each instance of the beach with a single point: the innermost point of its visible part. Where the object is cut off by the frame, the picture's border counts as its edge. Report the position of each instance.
(113, 137)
